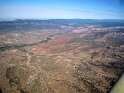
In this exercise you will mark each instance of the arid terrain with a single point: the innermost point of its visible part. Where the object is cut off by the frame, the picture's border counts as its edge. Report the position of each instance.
(61, 56)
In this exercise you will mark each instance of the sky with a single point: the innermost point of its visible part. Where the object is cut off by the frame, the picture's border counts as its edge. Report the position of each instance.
(62, 9)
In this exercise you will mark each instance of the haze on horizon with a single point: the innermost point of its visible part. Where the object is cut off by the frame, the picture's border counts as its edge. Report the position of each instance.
(61, 9)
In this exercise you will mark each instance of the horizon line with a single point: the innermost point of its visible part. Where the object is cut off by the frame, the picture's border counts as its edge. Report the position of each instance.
(13, 19)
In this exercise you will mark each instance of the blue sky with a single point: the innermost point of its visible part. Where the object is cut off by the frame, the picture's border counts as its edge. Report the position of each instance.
(65, 9)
